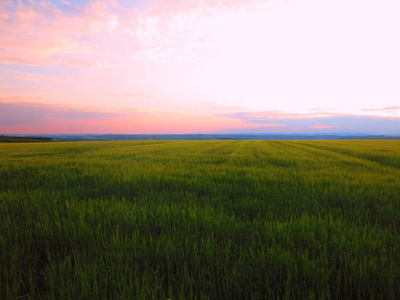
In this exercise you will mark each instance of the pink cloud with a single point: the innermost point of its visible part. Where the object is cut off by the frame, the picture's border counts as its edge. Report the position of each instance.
(35, 118)
(260, 68)
(38, 33)
(273, 125)
(27, 76)
(39, 118)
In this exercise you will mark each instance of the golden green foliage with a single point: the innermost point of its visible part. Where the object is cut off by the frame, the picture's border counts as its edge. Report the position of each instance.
(200, 220)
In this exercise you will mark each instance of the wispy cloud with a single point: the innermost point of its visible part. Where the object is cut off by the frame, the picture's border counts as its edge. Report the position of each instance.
(181, 30)
(30, 114)
(22, 117)
(42, 33)
(26, 76)
(137, 95)
(16, 117)
(320, 126)
(35, 118)
(384, 109)
(319, 122)
(264, 116)
(39, 33)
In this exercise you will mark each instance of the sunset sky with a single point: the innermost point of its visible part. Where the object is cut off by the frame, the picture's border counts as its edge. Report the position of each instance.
(199, 66)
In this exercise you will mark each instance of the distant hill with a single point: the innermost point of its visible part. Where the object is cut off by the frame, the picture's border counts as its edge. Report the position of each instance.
(23, 139)
(239, 136)
(233, 136)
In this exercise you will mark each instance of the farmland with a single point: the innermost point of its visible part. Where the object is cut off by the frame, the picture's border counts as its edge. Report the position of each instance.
(200, 220)
(22, 139)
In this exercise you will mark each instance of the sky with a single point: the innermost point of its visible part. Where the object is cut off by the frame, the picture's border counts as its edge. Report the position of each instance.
(199, 66)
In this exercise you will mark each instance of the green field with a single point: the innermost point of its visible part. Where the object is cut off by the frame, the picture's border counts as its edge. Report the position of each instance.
(200, 220)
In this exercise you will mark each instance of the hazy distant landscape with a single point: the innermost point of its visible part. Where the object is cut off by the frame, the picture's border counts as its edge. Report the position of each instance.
(200, 220)
(133, 137)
